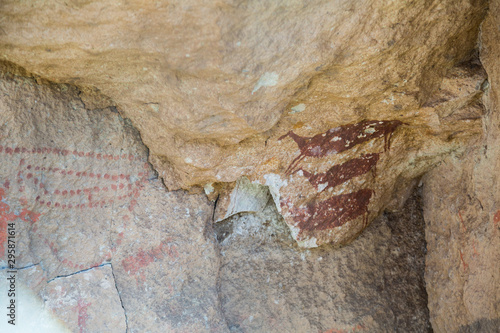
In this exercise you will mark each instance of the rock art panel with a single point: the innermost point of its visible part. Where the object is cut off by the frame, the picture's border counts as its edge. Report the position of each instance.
(340, 179)
(339, 139)
(207, 103)
(91, 212)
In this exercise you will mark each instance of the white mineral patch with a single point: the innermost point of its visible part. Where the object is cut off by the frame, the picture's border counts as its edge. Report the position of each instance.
(308, 243)
(209, 188)
(321, 187)
(298, 108)
(268, 79)
(247, 197)
(274, 182)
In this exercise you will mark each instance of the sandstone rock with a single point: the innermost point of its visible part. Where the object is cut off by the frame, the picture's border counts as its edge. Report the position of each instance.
(89, 210)
(332, 109)
(86, 302)
(374, 284)
(461, 201)
(213, 88)
(205, 82)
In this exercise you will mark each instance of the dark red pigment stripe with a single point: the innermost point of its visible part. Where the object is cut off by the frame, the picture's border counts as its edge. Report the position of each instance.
(339, 139)
(339, 174)
(333, 212)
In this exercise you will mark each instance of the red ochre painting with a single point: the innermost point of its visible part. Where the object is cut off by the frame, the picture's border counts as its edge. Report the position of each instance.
(44, 188)
(339, 209)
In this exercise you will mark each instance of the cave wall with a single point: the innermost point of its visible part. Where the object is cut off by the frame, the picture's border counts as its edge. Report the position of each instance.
(461, 205)
(252, 167)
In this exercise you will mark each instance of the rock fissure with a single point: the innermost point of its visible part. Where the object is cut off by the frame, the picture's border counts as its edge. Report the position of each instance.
(120, 297)
(78, 272)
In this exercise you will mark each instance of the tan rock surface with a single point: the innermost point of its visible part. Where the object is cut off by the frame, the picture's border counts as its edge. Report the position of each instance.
(213, 86)
(462, 212)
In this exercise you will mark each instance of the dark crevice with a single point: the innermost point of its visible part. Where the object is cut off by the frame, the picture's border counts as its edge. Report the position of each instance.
(120, 298)
(212, 232)
(78, 272)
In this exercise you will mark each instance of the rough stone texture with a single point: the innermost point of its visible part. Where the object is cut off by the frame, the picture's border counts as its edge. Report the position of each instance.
(156, 264)
(375, 284)
(338, 107)
(80, 300)
(213, 86)
(462, 212)
(86, 204)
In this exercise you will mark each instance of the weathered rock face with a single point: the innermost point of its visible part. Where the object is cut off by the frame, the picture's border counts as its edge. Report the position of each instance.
(462, 213)
(105, 247)
(283, 93)
(268, 284)
(301, 122)
(97, 226)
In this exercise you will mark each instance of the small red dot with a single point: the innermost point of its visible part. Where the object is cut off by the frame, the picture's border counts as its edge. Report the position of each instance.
(70, 172)
(57, 204)
(106, 176)
(29, 175)
(113, 187)
(70, 206)
(117, 158)
(64, 192)
(71, 192)
(81, 154)
(98, 156)
(17, 150)
(49, 203)
(105, 188)
(78, 191)
(57, 192)
(84, 174)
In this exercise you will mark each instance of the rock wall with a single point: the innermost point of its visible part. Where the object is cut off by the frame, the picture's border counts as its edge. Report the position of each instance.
(209, 166)
(462, 213)
(275, 92)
